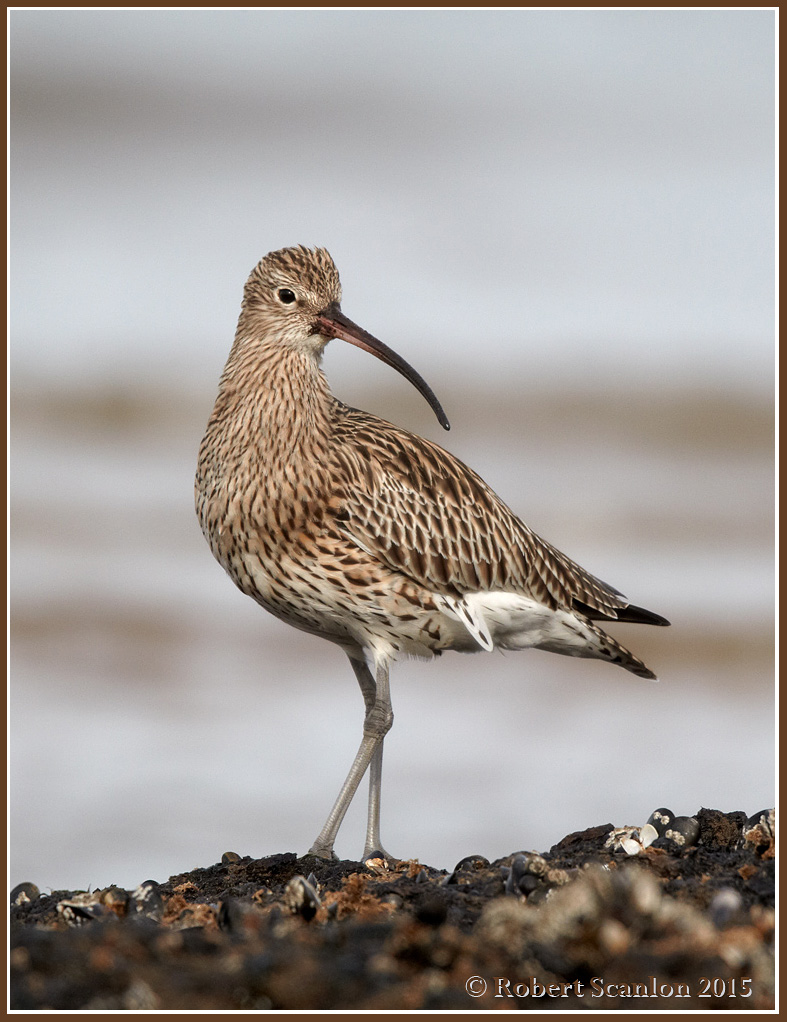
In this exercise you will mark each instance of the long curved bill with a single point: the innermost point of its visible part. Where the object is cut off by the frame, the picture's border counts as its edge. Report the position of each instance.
(333, 323)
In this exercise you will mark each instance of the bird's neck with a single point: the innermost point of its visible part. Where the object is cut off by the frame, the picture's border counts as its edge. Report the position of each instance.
(277, 402)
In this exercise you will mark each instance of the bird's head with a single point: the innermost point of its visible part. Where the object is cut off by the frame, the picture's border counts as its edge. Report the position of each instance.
(292, 298)
(286, 292)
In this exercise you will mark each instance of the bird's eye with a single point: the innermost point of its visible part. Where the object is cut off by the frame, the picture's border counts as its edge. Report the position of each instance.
(286, 296)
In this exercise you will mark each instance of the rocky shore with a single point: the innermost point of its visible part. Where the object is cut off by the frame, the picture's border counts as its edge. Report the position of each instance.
(676, 914)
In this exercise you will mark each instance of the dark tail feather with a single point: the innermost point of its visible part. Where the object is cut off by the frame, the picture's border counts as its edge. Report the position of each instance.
(636, 615)
(641, 616)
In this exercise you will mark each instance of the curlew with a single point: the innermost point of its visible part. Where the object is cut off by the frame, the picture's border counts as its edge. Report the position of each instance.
(356, 530)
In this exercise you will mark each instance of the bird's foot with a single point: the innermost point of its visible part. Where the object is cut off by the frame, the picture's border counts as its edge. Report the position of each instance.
(380, 859)
(323, 852)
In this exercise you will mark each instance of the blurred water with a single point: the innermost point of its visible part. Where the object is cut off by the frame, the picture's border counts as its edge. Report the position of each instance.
(564, 219)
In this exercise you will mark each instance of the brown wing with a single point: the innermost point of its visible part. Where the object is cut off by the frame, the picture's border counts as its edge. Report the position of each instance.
(425, 513)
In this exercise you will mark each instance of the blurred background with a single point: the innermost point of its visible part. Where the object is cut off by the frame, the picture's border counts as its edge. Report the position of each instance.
(565, 221)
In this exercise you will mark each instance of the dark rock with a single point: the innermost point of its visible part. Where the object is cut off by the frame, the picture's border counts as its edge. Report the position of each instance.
(233, 936)
(720, 830)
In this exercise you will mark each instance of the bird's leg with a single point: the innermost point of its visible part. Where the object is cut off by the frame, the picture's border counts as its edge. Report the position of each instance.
(373, 843)
(377, 722)
(373, 692)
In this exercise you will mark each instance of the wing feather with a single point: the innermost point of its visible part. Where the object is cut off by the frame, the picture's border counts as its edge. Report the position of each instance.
(426, 514)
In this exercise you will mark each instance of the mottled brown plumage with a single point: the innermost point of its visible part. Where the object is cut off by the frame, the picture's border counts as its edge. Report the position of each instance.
(346, 526)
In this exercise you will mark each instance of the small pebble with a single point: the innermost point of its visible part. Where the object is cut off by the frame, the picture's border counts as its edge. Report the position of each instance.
(726, 905)
(471, 862)
(229, 857)
(147, 900)
(536, 865)
(541, 893)
(77, 912)
(661, 819)
(24, 892)
(116, 898)
(301, 898)
(683, 831)
(527, 872)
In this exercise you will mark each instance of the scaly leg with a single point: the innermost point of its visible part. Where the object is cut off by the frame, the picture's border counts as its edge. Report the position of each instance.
(373, 844)
(376, 725)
